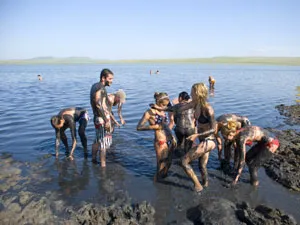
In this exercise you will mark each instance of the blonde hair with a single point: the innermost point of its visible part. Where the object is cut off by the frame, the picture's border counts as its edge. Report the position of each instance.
(200, 93)
(160, 97)
(121, 94)
(229, 127)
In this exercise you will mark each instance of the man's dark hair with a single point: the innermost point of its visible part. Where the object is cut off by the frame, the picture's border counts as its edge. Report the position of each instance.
(184, 95)
(55, 120)
(105, 72)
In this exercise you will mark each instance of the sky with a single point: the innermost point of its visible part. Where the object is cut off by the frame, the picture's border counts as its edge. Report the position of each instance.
(156, 29)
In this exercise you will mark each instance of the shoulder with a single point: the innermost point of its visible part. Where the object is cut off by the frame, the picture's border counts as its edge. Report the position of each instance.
(209, 109)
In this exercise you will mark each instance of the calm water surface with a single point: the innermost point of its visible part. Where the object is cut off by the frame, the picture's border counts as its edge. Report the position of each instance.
(27, 104)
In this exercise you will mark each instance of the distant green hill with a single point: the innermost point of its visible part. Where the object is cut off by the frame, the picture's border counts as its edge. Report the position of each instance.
(291, 61)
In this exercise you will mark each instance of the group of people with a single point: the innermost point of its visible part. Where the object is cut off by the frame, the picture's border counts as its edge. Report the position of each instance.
(196, 131)
(104, 119)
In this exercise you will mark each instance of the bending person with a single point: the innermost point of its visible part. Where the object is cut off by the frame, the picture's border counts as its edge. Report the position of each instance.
(222, 122)
(67, 118)
(258, 154)
(164, 141)
(117, 99)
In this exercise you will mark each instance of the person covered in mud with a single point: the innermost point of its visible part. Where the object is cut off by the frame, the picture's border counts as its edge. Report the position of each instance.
(117, 99)
(211, 82)
(102, 116)
(164, 141)
(222, 122)
(185, 124)
(257, 155)
(67, 118)
(205, 119)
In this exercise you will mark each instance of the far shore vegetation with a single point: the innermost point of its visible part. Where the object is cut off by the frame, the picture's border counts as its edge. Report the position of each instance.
(288, 61)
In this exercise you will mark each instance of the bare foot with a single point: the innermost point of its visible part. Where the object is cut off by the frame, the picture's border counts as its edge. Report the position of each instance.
(255, 183)
(198, 189)
(205, 184)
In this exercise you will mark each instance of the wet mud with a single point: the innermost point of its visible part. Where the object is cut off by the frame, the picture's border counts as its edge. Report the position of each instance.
(284, 166)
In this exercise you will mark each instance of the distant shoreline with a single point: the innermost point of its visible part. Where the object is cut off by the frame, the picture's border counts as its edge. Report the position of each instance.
(284, 61)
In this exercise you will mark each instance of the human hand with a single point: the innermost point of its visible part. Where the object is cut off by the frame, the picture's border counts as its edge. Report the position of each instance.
(107, 126)
(174, 142)
(192, 137)
(123, 122)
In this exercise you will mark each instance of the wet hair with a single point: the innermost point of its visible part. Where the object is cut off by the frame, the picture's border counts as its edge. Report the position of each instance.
(160, 97)
(184, 95)
(105, 72)
(245, 122)
(56, 120)
(201, 93)
(121, 94)
(230, 126)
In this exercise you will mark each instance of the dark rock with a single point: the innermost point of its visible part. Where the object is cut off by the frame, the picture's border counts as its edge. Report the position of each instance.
(214, 211)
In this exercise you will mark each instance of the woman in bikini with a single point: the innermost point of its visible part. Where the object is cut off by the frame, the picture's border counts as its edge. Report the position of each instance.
(222, 122)
(164, 141)
(205, 119)
(67, 118)
(257, 155)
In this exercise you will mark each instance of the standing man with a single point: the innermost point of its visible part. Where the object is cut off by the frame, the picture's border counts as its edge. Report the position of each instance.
(102, 115)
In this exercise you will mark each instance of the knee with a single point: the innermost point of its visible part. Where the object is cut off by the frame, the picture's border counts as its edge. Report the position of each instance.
(186, 165)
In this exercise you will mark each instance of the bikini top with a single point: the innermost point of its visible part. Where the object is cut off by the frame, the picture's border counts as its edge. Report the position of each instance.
(203, 119)
(159, 119)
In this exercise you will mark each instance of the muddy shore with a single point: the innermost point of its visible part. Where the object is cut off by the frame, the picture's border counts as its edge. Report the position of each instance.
(20, 204)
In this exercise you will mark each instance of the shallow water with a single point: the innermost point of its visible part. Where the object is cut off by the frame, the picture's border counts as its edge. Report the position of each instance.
(27, 104)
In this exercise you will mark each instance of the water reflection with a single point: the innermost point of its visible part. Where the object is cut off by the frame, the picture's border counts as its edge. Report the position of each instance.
(72, 179)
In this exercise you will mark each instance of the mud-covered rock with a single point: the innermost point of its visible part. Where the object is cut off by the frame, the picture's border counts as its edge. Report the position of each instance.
(263, 215)
(124, 214)
(223, 211)
(284, 166)
(214, 211)
(291, 112)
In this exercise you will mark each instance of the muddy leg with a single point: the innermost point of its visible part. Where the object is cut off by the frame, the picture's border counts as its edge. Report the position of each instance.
(203, 169)
(163, 163)
(253, 175)
(186, 160)
(95, 148)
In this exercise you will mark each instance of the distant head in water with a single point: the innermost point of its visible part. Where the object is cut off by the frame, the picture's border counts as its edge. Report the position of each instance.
(39, 77)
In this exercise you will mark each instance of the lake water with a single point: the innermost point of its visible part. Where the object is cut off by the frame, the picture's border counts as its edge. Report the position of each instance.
(27, 104)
